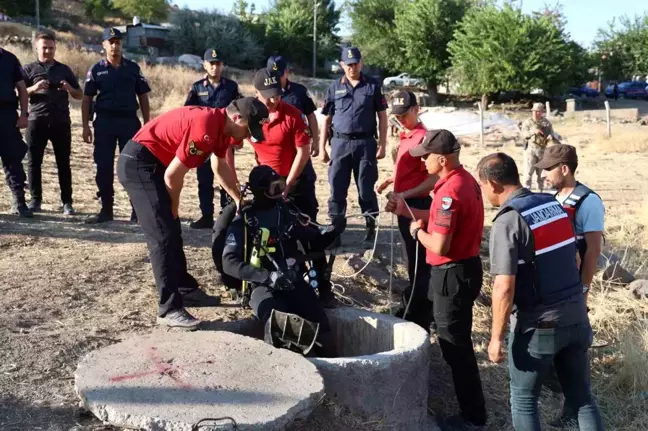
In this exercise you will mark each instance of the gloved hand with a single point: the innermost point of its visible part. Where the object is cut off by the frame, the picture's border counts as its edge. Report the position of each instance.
(278, 281)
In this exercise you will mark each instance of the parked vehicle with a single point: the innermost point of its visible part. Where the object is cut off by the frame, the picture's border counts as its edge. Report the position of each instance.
(629, 90)
(402, 80)
(583, 91)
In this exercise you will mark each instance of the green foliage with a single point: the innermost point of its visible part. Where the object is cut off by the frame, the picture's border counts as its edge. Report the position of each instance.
(147, 10)
(374, 31)
(196, 31)
(96, 9)
(15, 8)
(289, 31)
(623, 48)
(503, 49)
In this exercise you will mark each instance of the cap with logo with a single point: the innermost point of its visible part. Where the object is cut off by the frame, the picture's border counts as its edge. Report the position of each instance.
(438, 141)
(268, 83)
(111, 33)
(538, 107)
(351, 55)
(277, 64)
(255, 113)
(212, 55)
(556, 155)
(402, 102)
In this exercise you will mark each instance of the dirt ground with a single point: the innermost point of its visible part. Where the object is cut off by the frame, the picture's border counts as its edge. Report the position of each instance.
(68, 288)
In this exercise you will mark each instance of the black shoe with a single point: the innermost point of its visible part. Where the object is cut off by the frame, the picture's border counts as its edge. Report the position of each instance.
(35, 206)
(204, 222)
(458, 423)
(68, 210)
(133, 218)
(179, 319)
(370, 232)
(198, 298)
(21, 210)
(102, 217)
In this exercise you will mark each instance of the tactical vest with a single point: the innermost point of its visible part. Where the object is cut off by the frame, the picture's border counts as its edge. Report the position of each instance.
(552, 275)
(571, 206)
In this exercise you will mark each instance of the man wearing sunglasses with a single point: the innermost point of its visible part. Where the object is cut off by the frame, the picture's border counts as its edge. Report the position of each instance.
(152, 168)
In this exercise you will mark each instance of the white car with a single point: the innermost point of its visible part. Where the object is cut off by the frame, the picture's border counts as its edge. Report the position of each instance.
(402, 80)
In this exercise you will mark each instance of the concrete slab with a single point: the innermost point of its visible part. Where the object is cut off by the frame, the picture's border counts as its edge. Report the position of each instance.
(170, 381)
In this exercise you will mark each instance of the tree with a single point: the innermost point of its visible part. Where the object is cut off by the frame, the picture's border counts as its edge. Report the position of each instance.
(374, 31)
(623, 48)
(15, 8)
(193, 32)
(289, 30)
(147, 10)
(423, 29)
(503, 49)
(96, 9)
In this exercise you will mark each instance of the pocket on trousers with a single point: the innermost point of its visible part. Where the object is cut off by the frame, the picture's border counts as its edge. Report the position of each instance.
(543, 342)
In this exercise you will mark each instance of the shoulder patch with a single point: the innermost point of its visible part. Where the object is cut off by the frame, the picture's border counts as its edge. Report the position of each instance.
(443, 218)
(193, 150)
(446, 202)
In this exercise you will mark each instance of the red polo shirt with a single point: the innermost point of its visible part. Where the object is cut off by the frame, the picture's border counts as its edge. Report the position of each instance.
(286, 131)
(457, 209)
(410, 172)
(190, 133)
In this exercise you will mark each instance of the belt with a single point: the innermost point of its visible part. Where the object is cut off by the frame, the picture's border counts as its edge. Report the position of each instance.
(454, 264)
(352, 136)
(116, 114)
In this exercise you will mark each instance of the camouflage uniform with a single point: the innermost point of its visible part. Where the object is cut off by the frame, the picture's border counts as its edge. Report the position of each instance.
(534, 147)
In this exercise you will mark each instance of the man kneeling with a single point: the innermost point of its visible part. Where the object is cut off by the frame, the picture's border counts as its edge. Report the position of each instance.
(261, 250)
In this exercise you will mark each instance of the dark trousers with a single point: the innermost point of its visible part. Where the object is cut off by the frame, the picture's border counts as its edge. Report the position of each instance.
(531, 356)
(12, 153)
(453, 289)
(301, 301)
(219, 235)
(205, 176)
(357, 157)
(110, 132)
(420, 309)
(38, 133)
(142, 175)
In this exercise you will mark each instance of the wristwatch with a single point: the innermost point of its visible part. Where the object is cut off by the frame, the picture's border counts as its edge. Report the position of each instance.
(415, 233)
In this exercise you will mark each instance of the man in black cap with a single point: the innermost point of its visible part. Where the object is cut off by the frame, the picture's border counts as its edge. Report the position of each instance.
(12, 148)
(351, 106)
(261, 251)
(152, 168)
(214, 91)
(118, 84)
(48, 84)
(451, 231)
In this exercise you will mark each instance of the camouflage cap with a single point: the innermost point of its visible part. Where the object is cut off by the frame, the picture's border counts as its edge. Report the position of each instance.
(538, 107)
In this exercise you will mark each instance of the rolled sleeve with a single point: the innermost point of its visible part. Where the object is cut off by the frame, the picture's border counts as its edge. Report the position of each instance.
(504, 244)
(90, 88)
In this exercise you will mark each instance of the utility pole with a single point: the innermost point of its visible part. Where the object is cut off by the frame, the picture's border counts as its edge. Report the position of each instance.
(37, 15)
(314, 38)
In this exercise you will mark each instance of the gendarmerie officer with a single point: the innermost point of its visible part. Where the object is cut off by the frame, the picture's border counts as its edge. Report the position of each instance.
(213, 91)
(351, 105)
(118, 84)
(452, 237)
(12, 147)
(48, 84)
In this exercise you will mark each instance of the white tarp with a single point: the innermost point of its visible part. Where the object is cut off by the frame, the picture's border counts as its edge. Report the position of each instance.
(462, 123)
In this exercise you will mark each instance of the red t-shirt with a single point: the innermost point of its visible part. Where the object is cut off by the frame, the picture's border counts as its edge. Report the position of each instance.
(191, 133)
(457, 209)
(410, 172)
(284, 133)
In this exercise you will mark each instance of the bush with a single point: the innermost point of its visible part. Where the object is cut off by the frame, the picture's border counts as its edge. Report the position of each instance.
(96, 9)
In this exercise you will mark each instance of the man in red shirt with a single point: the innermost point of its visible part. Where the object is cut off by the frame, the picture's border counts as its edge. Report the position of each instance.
(452, 239)
(413, 184)
(152, 168)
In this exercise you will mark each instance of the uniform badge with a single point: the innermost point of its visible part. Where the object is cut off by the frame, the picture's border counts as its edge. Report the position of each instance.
(443, 218)
(193, 150)
(112, 31)
(350, 54)
(214, 55)
(446, 202)
(274, 67)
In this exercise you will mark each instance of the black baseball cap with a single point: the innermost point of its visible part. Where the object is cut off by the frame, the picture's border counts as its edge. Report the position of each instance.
(277, 64)
(111, 33)
(212, 55)
(261, 177)
(438, 141)
(268, 83)
(255, 113)
(351, 55)
(556, 155)
(402, 102)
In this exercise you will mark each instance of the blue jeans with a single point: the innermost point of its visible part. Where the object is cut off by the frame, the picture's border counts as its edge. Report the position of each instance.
(531, 355)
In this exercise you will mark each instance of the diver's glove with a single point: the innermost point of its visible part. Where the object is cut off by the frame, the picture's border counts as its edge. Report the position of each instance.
(279, 281)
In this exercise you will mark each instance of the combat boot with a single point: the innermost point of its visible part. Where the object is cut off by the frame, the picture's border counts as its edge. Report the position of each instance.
(204, 222)
(370, 232)
(21, 210)
(105, 215)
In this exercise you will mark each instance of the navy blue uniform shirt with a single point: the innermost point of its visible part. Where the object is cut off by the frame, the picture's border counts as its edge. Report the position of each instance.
(203, 93)
(354, 108)
(10, 73)
(297, 95)
(116, 88)
(53, 102)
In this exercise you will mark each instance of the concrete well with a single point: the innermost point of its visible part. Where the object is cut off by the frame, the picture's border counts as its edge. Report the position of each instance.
(381, 373)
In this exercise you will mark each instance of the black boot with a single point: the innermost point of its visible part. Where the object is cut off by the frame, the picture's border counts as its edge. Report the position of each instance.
(370, 233)
(204, 222)
(21, 210)
(35, 205)
(105, 215)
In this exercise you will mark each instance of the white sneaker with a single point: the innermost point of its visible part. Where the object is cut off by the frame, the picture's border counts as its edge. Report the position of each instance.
(179, 319)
